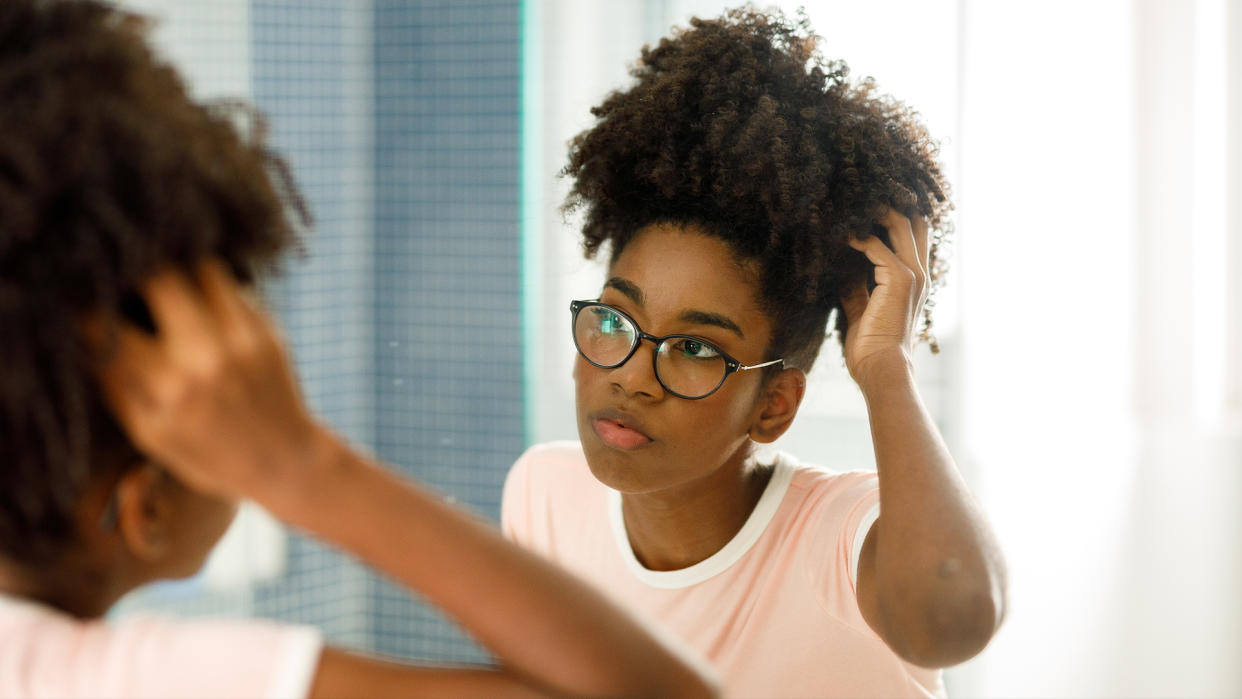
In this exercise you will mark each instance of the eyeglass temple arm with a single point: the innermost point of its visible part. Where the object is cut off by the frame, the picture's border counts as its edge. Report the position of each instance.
(743, 367)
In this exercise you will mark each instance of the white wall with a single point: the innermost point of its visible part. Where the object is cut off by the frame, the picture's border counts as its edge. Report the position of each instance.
(586, 47)
(209, 42)
(1093, 255)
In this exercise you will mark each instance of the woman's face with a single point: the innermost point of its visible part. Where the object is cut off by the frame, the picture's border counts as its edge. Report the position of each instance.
(639, 438)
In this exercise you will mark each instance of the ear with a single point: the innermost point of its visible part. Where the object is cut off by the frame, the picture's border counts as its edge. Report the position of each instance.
(778, 405)
(144, 512)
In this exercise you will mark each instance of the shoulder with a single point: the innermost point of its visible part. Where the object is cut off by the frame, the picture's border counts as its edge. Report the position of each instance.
(817, 491)
(548, 481)
(829, 515)
(838, 506)
(548, 463)
(552, 456)
(58, 655)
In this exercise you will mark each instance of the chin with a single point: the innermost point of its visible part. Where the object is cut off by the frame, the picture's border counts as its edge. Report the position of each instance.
(624, 472)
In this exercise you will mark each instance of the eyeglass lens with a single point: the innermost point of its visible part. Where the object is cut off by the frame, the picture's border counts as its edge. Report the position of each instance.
(684, 365)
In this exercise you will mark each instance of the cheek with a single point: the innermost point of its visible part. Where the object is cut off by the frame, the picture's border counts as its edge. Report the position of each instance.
(744, 394)
(586, 377)
(726, 413)
(582, 392)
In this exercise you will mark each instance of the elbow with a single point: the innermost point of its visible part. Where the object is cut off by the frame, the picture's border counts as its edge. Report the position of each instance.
(960, 628)
(953, 626)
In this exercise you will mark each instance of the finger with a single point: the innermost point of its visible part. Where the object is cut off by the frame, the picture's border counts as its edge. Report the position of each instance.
(127, 399)
(247, 325)
(226, 297)
(922, 241)
(126, 375)
(901, 234)
(889, 269)
(121, 355)
(184, 321)
(876, 251)
(112, 339)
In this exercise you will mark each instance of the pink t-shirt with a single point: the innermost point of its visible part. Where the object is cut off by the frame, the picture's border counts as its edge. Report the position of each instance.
(46, 653)
(774, 610)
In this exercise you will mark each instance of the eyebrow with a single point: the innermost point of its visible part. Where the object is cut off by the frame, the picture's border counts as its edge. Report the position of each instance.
(635, 294)
(627, 287)
(715, 319)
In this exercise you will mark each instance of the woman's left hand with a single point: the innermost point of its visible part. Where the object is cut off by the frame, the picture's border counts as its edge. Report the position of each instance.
(882, 326)
(212, 396)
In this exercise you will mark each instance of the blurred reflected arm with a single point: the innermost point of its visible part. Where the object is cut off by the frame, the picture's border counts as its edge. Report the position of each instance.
(344, 674)
(547, 628)
(214, 399)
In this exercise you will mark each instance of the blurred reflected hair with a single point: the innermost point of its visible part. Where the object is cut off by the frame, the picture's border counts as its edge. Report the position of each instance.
(109, 171)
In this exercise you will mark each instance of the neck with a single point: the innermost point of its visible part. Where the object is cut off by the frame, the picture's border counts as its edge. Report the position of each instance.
(680, 527)
(68, 584)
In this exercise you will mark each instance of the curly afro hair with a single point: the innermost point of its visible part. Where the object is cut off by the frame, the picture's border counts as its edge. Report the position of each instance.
(738, 127)
(108, 172)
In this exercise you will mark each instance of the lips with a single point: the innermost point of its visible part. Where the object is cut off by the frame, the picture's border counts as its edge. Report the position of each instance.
(619, 430)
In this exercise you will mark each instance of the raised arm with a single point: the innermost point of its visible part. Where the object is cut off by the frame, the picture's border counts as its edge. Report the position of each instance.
(213, 398)
(931, 578)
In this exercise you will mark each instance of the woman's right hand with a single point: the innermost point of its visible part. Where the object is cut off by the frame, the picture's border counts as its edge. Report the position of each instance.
(881, 327)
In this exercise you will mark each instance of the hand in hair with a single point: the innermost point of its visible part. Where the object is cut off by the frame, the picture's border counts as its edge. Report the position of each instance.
(212, 395)
(885, 323)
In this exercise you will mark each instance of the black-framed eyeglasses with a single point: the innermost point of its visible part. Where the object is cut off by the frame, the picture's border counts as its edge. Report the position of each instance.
(686, 366)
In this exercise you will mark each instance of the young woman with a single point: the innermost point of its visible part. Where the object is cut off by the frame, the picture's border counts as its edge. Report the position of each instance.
(130, 218)
(736, 186)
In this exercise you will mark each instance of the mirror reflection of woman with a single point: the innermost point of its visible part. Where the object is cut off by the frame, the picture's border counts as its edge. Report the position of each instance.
(744, 189)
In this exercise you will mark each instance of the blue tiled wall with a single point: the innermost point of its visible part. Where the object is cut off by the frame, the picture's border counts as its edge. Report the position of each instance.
(401, 122)
(305, 61)
(448, 317)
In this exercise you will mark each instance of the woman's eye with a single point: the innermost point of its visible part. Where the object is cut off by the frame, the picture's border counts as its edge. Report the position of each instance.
(697, 350)
(610, 323)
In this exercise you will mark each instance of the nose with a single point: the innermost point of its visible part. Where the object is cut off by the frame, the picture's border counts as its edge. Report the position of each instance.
(637, 376)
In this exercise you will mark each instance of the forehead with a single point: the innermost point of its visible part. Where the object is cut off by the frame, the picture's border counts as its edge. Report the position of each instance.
(678, 268)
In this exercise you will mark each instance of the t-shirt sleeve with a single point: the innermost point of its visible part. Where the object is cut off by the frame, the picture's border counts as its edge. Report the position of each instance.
(164, 658)
(515, 505)
(553, 473)
(868, 519)
(842, 515)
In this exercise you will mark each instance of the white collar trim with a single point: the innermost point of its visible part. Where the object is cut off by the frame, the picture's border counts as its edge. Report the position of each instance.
(718, 562)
